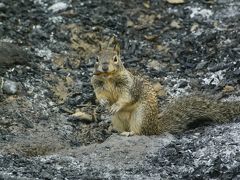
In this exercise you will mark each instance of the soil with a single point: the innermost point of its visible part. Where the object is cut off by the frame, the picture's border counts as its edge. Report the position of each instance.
(47, 49)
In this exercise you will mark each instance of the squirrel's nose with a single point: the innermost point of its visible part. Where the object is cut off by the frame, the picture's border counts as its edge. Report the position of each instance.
(105, 68)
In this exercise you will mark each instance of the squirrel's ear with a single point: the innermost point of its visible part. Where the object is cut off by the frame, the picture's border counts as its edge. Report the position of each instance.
(112, 41)
(117, 48)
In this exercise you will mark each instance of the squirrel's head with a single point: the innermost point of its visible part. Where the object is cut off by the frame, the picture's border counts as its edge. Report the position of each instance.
(108, 61)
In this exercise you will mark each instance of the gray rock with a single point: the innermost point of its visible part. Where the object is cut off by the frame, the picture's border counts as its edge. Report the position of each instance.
(11, 54)
(2, 6)
(211, 154)
(10, 87)
(201, 65)
(60, 6)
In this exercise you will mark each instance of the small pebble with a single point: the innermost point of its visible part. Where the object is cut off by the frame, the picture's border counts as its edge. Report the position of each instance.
(154, 64)
(2, 6)
(228, 88)
(10, 87)
(60, 6)
(201, 65)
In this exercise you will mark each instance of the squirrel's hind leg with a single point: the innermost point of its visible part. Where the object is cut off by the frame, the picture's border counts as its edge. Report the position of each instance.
(135, 123)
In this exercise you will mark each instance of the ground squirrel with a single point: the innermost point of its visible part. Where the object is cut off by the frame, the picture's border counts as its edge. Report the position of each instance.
(133, 102)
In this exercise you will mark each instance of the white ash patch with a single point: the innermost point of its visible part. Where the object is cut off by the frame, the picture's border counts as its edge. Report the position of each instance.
(196, 11)
(37, 26)
(214, 77)
(41, 3)
(232, 10)
(176, 90)
(172, 10)
(198, 32)
(56, 19)
(225, 146)
(8, 40)
(52, 39)
(44, 53)
(9, 175)
(232, 98)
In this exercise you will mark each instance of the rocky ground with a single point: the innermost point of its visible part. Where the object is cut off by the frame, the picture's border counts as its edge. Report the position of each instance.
(50, 124)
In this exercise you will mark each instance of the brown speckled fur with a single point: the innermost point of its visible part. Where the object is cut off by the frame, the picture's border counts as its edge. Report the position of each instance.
(184, 110)
(138, 112)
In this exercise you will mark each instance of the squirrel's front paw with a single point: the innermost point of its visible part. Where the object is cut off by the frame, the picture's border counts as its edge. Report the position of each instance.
(103, 102)
(115, 108)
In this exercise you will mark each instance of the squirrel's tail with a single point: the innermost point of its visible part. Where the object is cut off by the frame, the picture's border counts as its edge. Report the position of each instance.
(185, 111)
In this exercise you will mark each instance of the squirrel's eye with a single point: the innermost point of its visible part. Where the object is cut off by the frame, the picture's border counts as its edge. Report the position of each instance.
(115, 59)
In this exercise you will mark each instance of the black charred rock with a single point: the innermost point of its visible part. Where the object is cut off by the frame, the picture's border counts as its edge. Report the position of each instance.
(11, 55)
